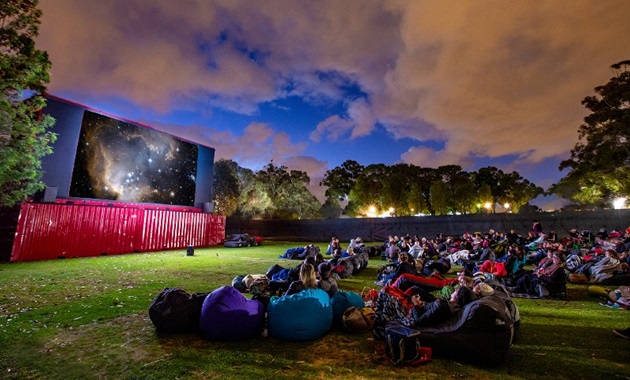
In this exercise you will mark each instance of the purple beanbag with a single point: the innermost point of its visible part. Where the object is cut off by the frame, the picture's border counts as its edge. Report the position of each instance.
(226, 315)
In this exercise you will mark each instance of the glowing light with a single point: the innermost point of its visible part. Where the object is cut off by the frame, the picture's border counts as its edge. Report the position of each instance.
(487, 205)
(619, 203)
(506, 206)
(371, 212)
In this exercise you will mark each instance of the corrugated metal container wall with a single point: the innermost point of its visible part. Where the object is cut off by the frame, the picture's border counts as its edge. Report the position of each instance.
(51, 230)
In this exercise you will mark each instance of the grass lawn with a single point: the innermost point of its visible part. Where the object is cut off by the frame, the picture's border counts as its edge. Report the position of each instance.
(88, 319)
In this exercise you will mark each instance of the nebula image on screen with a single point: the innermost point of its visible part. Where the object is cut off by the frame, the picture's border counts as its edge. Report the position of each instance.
(120, 161)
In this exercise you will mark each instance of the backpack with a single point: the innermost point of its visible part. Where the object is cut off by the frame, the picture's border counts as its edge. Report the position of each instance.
(176, 311)
(402, 346)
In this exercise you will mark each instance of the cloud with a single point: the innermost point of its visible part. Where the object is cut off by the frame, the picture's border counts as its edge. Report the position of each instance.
(506, 79)
(465, 79)
(430, 158)
(255, 148)
(315, 169)
(333, 128)
(358, 122)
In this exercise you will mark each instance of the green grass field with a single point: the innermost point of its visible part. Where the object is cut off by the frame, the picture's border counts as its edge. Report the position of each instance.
(88, 319)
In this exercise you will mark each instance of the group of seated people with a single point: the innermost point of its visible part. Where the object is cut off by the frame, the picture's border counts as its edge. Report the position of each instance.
(411, 274)
(598, 258)
(418, 301)
(310, 273)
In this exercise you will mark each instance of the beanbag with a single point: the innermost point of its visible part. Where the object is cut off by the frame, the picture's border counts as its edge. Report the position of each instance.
(226, 315)
(302, 316)
(341, 301)
(481, 332)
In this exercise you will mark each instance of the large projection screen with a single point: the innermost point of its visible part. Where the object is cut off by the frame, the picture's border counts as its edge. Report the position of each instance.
(119, 161)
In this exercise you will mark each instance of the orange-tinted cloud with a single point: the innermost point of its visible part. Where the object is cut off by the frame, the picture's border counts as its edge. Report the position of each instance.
(484, 79)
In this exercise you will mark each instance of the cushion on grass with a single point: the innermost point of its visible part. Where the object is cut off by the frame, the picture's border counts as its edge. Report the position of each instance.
(227, 315)
(306, 315)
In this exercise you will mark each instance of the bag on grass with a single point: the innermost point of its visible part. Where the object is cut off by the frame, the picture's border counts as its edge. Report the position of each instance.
(358, 319)
(402, 346)
(176, 311)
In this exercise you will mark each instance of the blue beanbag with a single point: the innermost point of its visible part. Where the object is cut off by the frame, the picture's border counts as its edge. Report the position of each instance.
(341, 301)
(227, 315)
(306, 315)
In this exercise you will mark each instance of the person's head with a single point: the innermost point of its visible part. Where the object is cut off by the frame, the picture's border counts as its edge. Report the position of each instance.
(324, 269)
(403, 257)
(483, 290)
(463, 296)
(319, 258)
(308, 276)
(556, 257)
(465, 281)
(611, 253)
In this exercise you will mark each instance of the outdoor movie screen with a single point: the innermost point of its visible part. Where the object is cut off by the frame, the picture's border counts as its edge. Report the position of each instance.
(120, 161)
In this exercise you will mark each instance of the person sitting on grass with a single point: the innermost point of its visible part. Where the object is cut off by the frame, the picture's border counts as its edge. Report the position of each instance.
(605, 267)
(334, 248)
(307, 280)
(550, 278)
(391, 272)
(326, 281)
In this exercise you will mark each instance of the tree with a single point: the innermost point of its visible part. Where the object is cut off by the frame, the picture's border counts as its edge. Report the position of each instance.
(506, 188)
(459, 187)
(341, 179)
(367, 190)
(24, 135)
(253, 200)
(331, 209)
(397, 188)
(287, 192)
(226, 187)
(598, 166)
(439, 197)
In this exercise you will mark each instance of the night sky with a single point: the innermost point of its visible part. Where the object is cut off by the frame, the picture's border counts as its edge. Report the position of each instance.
(120, 161)
(310, 84)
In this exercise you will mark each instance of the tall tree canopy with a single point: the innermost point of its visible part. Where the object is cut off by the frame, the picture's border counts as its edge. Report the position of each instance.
(341, 179)
(409, 189)
(288, 193)
(599, 162)
(24, 135)
(226, 187)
